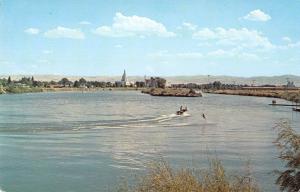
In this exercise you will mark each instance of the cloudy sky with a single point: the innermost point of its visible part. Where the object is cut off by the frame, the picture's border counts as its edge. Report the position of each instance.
(153, 37)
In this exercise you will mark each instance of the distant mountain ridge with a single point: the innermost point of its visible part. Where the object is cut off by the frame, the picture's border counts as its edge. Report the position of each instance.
(199, 79)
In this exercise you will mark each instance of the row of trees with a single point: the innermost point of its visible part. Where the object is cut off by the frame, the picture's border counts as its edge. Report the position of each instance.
(214, 85)
(29, 81)
(64, 82)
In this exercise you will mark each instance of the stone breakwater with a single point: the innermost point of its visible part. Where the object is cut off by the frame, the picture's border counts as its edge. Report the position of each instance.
(171, 92)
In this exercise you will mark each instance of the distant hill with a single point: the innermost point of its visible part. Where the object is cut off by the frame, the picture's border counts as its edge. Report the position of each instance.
(199, 79)
(259, 80)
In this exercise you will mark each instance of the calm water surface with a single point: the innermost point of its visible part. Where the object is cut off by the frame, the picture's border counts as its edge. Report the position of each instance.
(89, 141)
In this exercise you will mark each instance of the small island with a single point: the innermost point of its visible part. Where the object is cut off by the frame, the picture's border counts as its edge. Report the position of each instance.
(156, 86)
(172, 92)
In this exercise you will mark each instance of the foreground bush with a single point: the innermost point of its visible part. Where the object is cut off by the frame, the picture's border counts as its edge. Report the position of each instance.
(288, 142)
(162, 178)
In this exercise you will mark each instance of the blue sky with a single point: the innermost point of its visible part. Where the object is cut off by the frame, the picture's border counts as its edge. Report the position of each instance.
(153, 37)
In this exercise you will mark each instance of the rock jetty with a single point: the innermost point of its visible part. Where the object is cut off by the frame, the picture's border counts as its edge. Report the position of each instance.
(172, 92)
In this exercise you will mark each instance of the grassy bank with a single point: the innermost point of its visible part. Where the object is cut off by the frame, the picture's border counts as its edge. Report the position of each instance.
(21, 90)
(160, 177)
(290, 95)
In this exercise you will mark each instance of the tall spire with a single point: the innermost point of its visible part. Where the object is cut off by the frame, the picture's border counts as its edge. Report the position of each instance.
(124, 78)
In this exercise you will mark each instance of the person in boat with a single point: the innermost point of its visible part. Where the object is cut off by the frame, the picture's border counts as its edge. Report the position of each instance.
(181, 110)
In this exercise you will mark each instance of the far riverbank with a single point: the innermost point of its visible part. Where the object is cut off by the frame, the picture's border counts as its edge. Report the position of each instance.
(292, 95)
(289, 95)
(72, 89)
(19, 90)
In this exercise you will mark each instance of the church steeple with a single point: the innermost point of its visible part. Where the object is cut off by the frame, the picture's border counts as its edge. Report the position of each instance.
(124, 78)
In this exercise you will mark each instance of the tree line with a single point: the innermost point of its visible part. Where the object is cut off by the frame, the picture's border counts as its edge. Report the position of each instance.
(64, 82)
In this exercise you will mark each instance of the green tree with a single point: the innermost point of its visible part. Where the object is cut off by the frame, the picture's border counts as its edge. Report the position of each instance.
(82, 81)
(76, 84)
(65, 82)
(161, 82)
(9, 80)
(37, 84)
(217, 84)
(26, 81)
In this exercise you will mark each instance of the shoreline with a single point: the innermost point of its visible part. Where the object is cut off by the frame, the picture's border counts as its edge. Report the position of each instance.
(289, 95)
(90, 89)
(4, 91)
(292, 95)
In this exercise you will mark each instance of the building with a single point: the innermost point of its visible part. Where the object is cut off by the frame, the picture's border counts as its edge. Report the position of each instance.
(124, 81)
(155, 82)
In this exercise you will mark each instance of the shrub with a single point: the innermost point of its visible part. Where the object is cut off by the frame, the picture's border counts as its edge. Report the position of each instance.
(161, 177)
(12, 89)
(288, 143)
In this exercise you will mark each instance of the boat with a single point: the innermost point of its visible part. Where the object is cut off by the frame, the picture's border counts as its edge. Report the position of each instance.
(181, 112)
(296, 109)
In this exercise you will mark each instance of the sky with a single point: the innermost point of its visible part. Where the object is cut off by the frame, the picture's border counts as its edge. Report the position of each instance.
(150, 37)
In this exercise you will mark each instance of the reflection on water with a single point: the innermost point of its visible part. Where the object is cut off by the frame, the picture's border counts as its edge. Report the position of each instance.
(86, 141)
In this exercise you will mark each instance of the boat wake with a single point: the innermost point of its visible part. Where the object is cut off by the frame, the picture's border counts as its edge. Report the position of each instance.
(146, 122)
(141, 123)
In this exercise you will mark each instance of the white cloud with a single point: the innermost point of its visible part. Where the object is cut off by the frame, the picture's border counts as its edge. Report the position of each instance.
(293, 45)
(85, 23)
(32, 31)
(34, 67)
(189, 26)
(47, 51)
(232, 53)
(204, 44)
(219, 52)
(257, 15)
(118, 46)
(63, 32)
(164, 54)
(287, 39)
(189, 55)
(124, 26)
(234, 37)
(235, 53)
(205, 34)
(5, 63)
(44, 61)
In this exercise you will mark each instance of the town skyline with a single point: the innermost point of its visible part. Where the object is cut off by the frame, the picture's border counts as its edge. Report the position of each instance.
(231, 38)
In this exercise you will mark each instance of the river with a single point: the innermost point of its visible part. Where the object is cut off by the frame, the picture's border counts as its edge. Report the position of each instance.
(73, 141)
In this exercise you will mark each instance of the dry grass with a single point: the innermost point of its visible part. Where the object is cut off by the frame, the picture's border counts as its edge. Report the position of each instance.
(180, 92)
(162, 178)
(290, 95)
(288, 143)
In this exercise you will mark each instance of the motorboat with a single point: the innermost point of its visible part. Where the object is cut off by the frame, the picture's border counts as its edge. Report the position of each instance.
(296, 109)
(181, 111)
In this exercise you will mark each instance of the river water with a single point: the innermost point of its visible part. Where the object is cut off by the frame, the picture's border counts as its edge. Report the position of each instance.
(73, 141)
